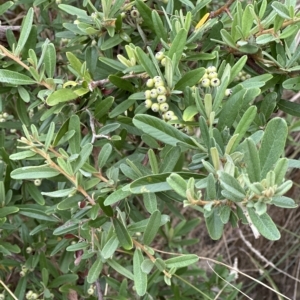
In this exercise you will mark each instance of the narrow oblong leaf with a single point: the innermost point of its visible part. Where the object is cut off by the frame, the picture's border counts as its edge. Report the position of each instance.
(190, 78)
(285, 202)
(123, 235)
(146, 62)
(104, 154)
(140, 278)
(214, 225)
(120, 269)
(159, 27)
(33, 172)
(110, 247)
(182, 261)
(5, 211)
(95, 270)
(178, 45)
(264, 225)
(178, 184)
(272, 146)
(15, 78)
(152, 227)
(61, 95)
(116, 196)
(50, 60)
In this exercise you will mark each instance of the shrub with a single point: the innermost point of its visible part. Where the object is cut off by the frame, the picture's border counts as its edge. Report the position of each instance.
(115, 116)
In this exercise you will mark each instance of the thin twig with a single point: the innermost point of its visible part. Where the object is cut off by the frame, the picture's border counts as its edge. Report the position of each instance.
(98, 288)
(8, 290)
(224, 8)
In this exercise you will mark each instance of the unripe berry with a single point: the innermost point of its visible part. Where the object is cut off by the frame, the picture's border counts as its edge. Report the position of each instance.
(155, 107)
(34, 296)
(5, 115)
(134, 13)
(248, 76)
(2, 297)
(159, 55)
(28, 250)
(159, 83)
(90, 291)
(148, 103)
(215, 82)
(37, 182)
(178, 125)
(28, 294)
(212, 75)
(211, 69)
(22, 274)
(161, 99)
(161, 90)
(13, 130)
(228, 92)
(189, 130)
(164, 107)
(153, 93)
(150, 83)
(243, 78)
(163, 61)
(204, 76)
(157, 78)
(2, 120)
(147, 94)
(123, 15)
(205, 82)
(169, 114)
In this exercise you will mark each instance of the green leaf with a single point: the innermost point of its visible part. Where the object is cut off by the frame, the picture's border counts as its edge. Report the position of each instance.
(264, 225)
(272, 146)
(73, 10)
(83, 156)
(75, 140)
(232, 187)
(77, 246)
(170, 160)
(33, 172)
(117, 196)
(247, 21)
(146, 62)
(25, 96)
(190, 78)
(289, 107)
(50, 60)
(178, 184)
(182, 261)
(35, 193)
(214, 225)
(25, 31)
(95, 270)
(119, 109)
(147, 266)
(22, 155)
(146, 14)
(178, 45)
(110, 247)
(102, 107)
(251, 160)
(61, 95)
(67, 227)
(238, 66)
(153, 161)
(63, 279)
(123, 235)
(6, 6)
(140, 278)
(5, 211)
(150, 202)
(121, 83)
(104, 154)
(70, 202)
(120, 269)
(244, 125)
(152, 228)
(281, 10)
(285, 202)
(162, 131)
(15, 78)
(159, 27)
(227, 38)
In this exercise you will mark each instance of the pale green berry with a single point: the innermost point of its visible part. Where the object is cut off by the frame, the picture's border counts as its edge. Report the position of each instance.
(37, 182)
(134, 13)
(215, 82)
(163, 62)
(159, 55)
(169, 115)
(76, 22)
(28, 294)
(204, 76)
(212, 75)
(153, 93)
(22, 274)
(5, 115)
(2, 297)
(2, 120)
(240, 74)
(161, 90)
(164, 107)
(248, 76)
(94, 43)
(178, 125)
(90, 291)
(155, 107)
(228, 92)
(211, 69)
(161, 98)
(189, 130)
(13, 130)
(205, 82)
(159, 83)
(157, 78)
(34, 296)
(147, 94)
(243, 78)
(123, 15)
(28, 250)
(148, 103)
(165, 1)
(150, 83)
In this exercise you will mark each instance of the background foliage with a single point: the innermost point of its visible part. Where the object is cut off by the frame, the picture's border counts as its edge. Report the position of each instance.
(129, 127)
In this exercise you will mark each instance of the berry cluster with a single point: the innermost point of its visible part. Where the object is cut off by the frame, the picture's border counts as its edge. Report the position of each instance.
(210, 78)
(158, 93)
(31, 295)
(242, 76)
(160, 56)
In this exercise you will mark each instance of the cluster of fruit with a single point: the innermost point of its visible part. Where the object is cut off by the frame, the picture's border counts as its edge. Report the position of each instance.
(210, 78)
(242, 76)
(31, 295)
